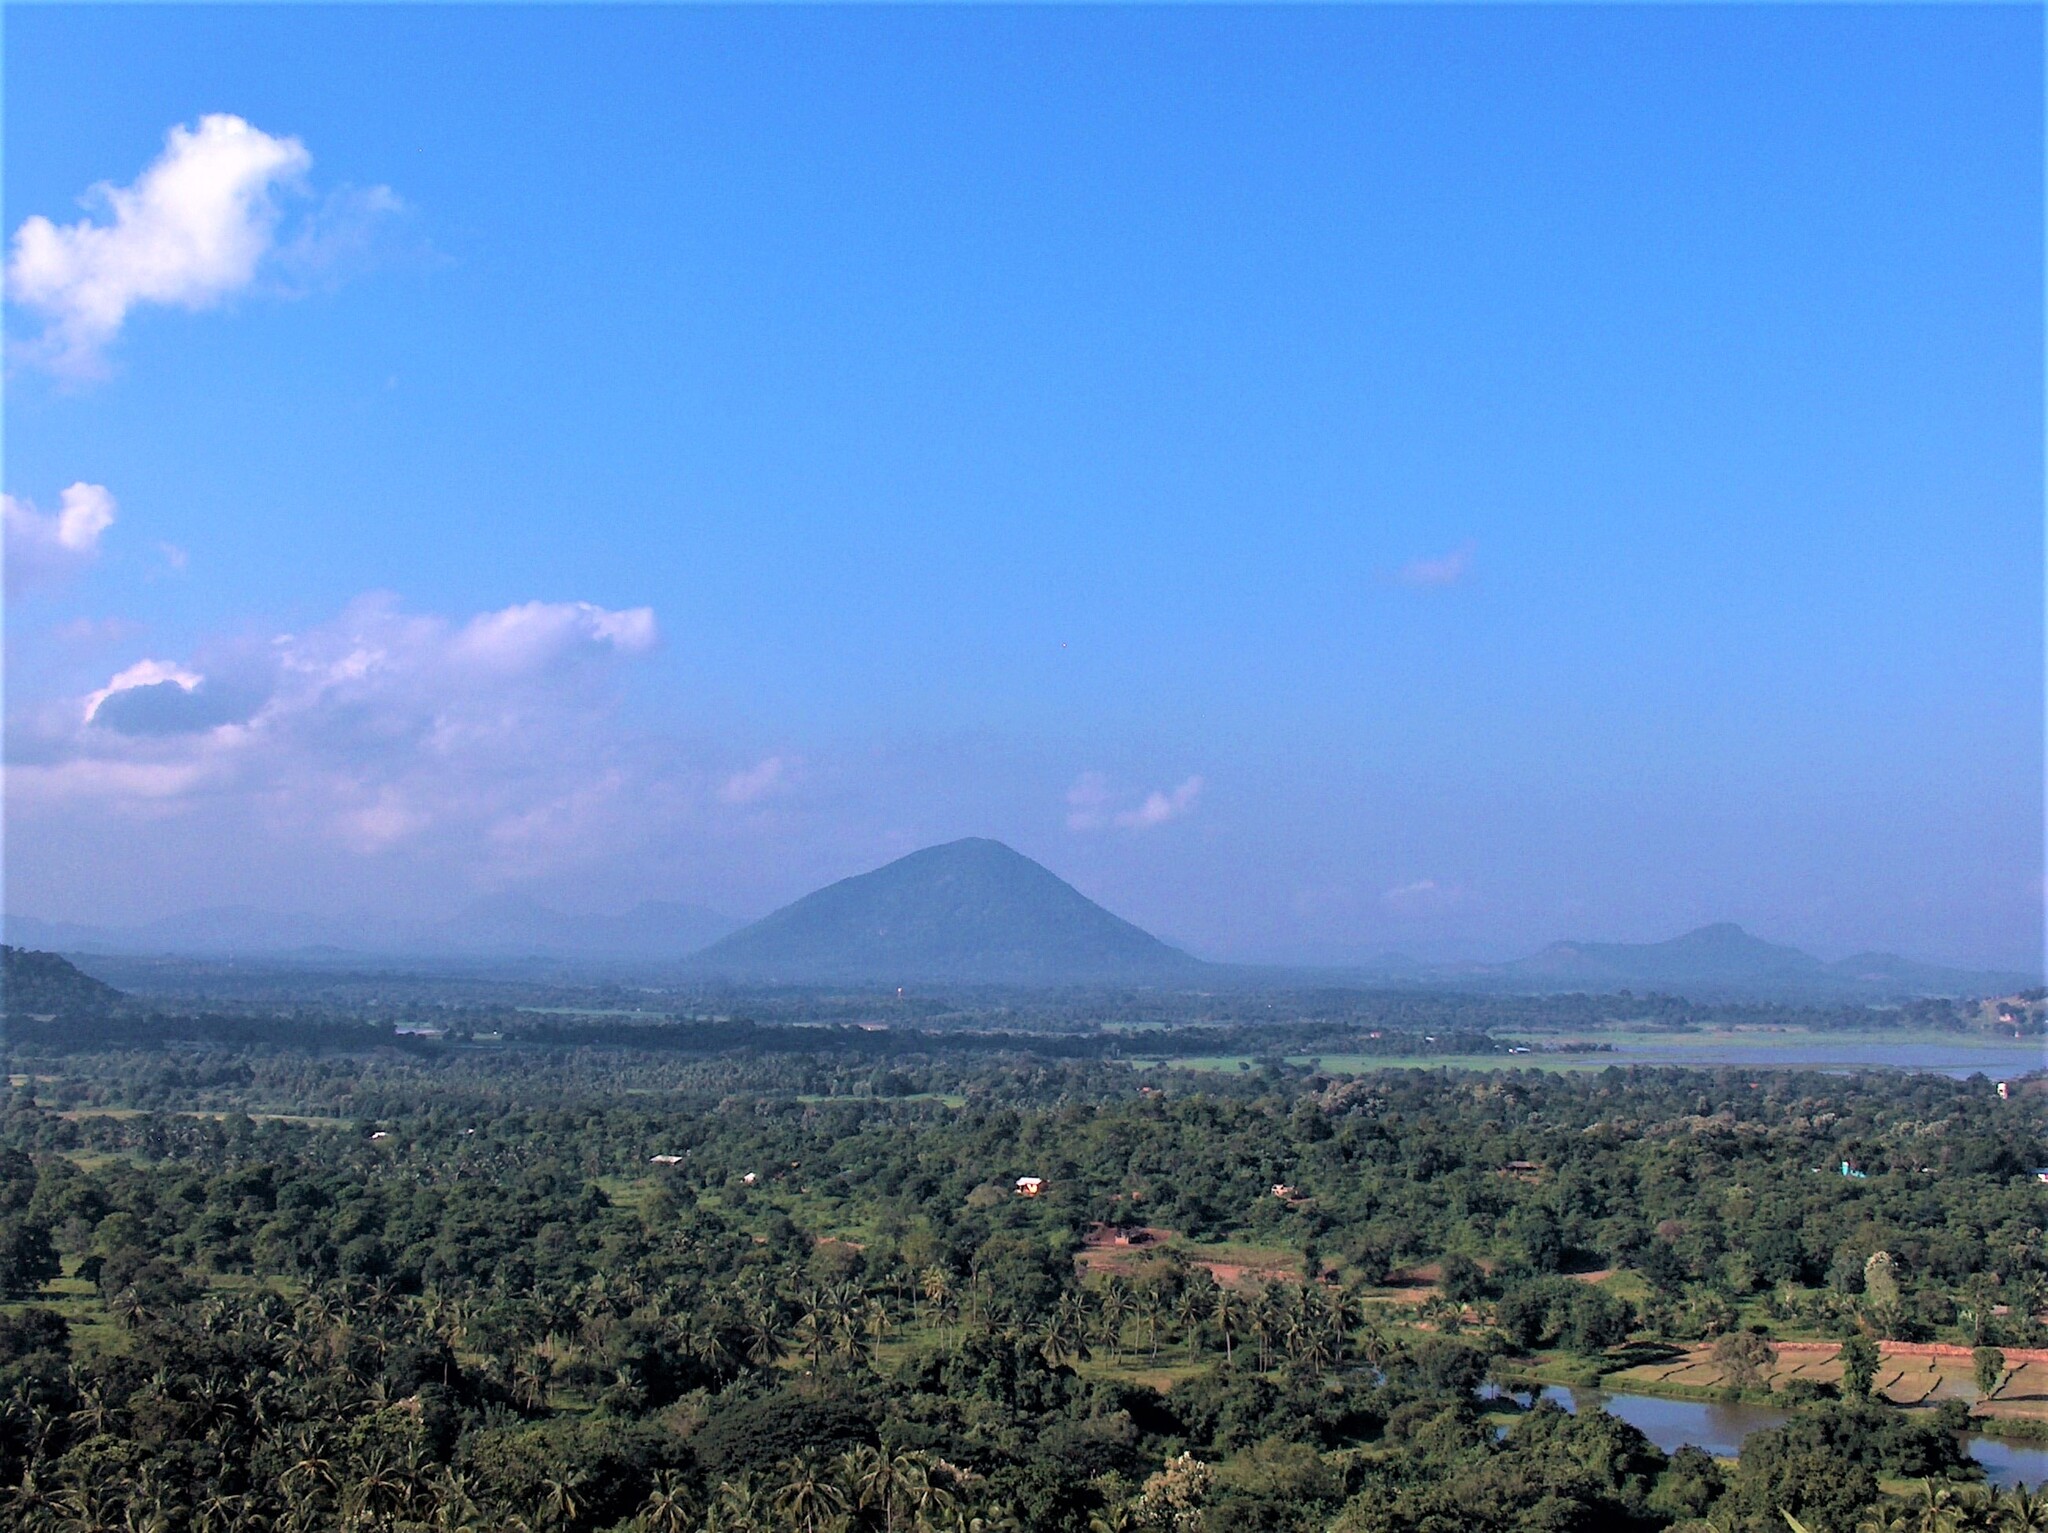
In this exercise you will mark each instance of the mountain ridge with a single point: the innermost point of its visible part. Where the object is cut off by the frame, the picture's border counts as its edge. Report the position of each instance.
(976, 911)
(506, 925)
(1722, 960)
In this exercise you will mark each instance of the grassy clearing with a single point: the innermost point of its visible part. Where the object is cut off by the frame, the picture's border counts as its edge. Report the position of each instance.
(1365, 1064)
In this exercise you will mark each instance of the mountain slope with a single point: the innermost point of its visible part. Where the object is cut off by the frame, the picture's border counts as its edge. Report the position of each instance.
(42, 984)
(970, 911)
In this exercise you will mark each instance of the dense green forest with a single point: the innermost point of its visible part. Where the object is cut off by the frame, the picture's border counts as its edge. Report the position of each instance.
(765, 1277)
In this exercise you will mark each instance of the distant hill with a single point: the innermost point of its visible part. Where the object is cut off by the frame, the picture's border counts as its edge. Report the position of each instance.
(43, 984)
(1714, 954)
(1724, 960)
(968, 912)
(500, 926)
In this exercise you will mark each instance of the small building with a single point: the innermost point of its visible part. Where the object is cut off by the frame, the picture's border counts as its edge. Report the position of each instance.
(665, 1160)
(1284, 1192)
(750, 1178)
(1030, 1186)
(2041, 1174)
(1849, 1169)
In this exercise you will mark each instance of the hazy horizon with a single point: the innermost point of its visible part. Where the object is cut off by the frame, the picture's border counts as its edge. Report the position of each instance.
(1324, 482)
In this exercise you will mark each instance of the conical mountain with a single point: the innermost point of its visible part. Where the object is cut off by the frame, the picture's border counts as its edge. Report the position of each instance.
(968, 912)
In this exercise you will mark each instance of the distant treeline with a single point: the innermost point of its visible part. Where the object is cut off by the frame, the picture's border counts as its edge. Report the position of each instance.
(122, 1028)
(126, 1029)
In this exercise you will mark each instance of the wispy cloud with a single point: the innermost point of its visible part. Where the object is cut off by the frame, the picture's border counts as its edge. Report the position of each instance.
(96, 631)
(1092, 804)
(41, 547)
(757, 782)
(193, 229)
(1424, 896)
(1443, 570)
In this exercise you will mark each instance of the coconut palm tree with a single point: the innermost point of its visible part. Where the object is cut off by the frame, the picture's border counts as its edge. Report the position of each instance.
(669, 1507)
(807, 1500)
(1265, 1321)
(1150, 1305)
(561, 1501)
(1112, 1310)
(937, 1288)
(923, 1490)
(311, 1474)
(2021, 1511)
(735, 1508)
(874, 1316)
(1060, 1340)
(812, 1335)
(875, 1476)
(1228, 1312)
(1190, 1308)
(455, 1504)
(378, 1486)
(32, 1505)
(764, 1335)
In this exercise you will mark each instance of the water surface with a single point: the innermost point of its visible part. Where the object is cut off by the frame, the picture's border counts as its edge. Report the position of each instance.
(1958, 1055)
(1720, 1429)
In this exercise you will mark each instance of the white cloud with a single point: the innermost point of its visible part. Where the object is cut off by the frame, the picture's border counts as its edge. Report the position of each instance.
(755, 783)
(490, 737)
(1160, 807)
(1091, 804)
(538, 633)
(144, 673)
(1425, 896)
(1444, 570)
(193, 229)
(43, 547)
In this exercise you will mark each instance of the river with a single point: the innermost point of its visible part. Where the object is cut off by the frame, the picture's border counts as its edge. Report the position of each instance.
(1719, 1429)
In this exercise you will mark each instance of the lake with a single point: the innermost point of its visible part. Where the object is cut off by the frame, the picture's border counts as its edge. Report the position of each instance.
(1958, 1055)
(1720, 1429)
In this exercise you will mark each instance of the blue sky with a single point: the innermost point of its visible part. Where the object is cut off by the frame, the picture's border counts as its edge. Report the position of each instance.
(1324, 480)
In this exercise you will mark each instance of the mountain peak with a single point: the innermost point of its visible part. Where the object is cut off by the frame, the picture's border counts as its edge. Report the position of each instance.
(969, 911)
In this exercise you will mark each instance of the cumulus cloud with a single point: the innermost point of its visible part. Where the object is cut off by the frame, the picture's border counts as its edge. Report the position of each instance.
(1092, 804)
(193, 229)
(368, 731)
(159, 697)
(526, 638)
(142, 674)
(1444, 570)
(43, 547)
